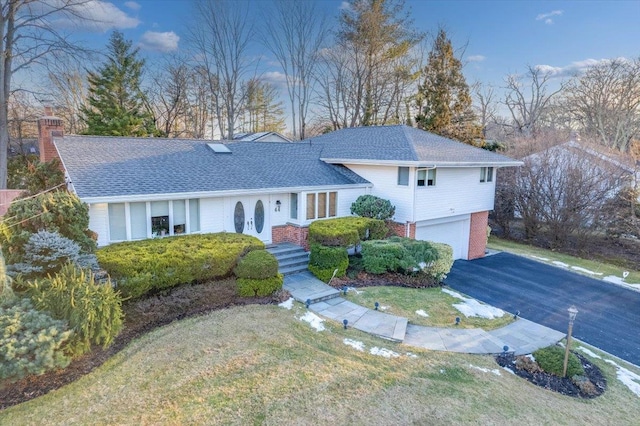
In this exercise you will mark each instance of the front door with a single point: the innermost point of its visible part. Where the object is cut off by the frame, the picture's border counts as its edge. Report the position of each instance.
(250, 216)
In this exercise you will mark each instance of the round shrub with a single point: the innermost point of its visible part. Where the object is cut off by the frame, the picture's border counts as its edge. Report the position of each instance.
(439, 268)
(249, 287)
(31, 342)
(323, 261)
(257, 264)
(551, 360)
(373, 207)
(45, 253)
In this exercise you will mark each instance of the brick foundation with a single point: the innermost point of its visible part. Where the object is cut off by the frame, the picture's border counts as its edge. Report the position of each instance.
(402, 229)
(290, 233)
(478, 234)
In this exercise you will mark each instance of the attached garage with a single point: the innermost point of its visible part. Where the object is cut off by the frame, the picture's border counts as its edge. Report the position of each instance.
(453, 231)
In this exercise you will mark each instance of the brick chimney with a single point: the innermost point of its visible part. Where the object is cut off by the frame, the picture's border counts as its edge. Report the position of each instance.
(48, 128)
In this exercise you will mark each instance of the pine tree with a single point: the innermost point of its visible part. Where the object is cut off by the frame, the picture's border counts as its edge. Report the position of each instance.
(443, 99)
(117, 105)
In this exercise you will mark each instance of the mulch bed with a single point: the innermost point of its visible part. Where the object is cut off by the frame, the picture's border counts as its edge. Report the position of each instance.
(141, 317)
(563, 385)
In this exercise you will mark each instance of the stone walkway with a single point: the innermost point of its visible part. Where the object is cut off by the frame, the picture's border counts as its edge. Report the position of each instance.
(521, 336)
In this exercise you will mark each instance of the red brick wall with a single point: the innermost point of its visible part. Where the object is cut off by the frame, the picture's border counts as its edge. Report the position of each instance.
(291, 234)
(402, 229)
(48, 127)
(478, 234)
(6, 197)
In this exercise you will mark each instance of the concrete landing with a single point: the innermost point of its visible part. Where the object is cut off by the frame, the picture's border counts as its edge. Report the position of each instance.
(524, 336)
(470, 340)
(304, 286)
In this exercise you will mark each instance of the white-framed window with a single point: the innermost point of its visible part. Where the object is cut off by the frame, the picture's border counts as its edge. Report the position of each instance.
(426, 177)
(140, 220)
(293, 206)
(403, 176)
(486, 174)
(321, 205)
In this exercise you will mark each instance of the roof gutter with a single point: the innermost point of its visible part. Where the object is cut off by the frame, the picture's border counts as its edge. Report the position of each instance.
(420, 164)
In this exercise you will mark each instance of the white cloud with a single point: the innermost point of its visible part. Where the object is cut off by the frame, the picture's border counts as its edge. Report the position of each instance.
(132, 5)
(476, 58)
(573, 68)
(98, 16)
(275, 77)
(547, 17)
(160, 42)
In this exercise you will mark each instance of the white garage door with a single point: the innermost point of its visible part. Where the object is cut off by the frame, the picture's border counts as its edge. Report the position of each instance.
(455, 233)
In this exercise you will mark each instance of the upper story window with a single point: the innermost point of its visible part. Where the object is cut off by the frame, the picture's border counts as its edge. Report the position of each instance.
(403, 176)
(486, 174)
(426, 177)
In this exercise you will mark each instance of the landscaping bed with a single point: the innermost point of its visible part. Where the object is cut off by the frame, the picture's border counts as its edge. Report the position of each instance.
(141, 316)
(563, 385)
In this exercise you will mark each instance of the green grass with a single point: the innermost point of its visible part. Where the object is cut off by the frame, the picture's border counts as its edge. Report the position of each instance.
(405, 302)
(592, 265)
(261, 365)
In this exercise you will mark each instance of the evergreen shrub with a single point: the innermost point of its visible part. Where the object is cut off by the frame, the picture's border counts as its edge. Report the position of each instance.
(93, 311)
(381, 256)
(324, 260)
(45, 253)
(256, 287)
(346, 231)
(440, 267)
(373, 207)
(31, 342)
(139, 267)
(257, 264)
(551, 360)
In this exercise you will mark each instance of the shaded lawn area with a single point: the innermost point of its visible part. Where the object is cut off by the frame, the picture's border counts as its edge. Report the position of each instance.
(262, 365)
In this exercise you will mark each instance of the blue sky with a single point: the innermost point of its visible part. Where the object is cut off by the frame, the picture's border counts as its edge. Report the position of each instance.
(502, 37)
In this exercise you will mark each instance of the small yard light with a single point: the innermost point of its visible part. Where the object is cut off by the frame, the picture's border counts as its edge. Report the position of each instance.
(345, 322)
(572, 316)
(344, 289)
(377, 305)
(457, 320)
(516, 315)
(308, 302)
(505, 349)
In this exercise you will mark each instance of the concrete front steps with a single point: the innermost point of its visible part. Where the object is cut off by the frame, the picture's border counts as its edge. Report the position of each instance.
(292, 259)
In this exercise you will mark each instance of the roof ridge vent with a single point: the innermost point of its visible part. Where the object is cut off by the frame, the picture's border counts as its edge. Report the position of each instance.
(219, 148)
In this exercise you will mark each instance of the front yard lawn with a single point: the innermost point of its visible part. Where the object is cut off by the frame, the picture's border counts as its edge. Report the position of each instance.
(415, 303)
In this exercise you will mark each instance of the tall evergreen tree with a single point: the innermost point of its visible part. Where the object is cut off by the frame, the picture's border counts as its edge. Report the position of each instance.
(117, 105)
(443, 98)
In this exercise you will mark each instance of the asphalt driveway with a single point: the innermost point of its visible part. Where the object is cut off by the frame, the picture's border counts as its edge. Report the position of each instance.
(608, 317)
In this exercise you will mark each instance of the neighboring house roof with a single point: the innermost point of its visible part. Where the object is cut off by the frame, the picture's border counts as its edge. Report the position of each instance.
(261, 137)
(403, 145)
(106, 168)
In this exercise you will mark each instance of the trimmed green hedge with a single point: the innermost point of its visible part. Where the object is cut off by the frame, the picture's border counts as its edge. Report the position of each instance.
(257, 265)
(380, 256)
(141, 266)
(249, 287)
(323, 261)
(346, 231)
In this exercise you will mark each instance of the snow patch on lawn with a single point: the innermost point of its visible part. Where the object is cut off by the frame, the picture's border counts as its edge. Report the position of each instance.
(486, 370)
(509, 370)
(562, 264)
(355, 290)
(287, 304)
(313, 320)
(383, 352)
(383, 308)
(473, 308)
(355, 344)
(546, 259)
(618, 280)
(421, 313)
(627, 377)
(589, 352)
(586, 271)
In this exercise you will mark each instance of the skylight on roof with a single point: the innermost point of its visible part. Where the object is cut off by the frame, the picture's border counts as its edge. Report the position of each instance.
(219, 148)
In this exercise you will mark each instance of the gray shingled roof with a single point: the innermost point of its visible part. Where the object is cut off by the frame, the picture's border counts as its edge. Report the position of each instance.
(112, 167)
(402, 144)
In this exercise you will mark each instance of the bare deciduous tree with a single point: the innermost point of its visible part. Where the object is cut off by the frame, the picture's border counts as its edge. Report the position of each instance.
(527, 97)
(168, 95)
(485, 105)
(221, 35)
(69, 92)
(295, 32)
(29, 38)
(605, 100)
